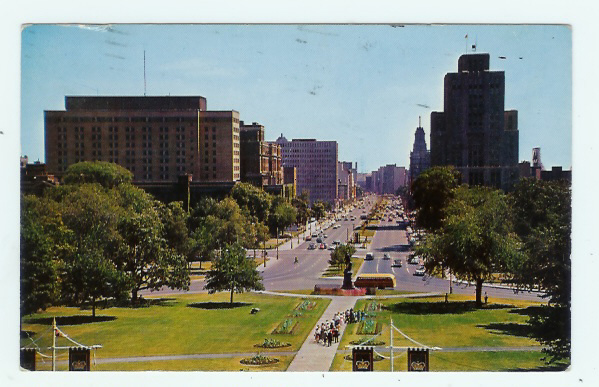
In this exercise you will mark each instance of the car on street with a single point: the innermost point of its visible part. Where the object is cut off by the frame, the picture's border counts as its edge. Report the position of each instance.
(396, 263)
(336, 226)
(369, 257)
(308, 237)
(420, 272)
(322, 246)
(312, 246)
(325, 236)
(413, 260)
(386, 256)
(319, 239)
(332, 247)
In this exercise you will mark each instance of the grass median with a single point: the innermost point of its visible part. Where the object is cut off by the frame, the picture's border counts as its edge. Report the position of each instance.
(185, 324)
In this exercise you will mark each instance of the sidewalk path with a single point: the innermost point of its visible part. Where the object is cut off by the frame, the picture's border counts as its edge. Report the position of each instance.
(313, 356)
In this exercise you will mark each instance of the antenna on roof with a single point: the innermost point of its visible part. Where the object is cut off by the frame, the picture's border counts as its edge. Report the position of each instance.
(419, 123)
(144, 73)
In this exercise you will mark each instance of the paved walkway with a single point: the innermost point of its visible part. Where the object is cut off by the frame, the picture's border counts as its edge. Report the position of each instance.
(313, 356)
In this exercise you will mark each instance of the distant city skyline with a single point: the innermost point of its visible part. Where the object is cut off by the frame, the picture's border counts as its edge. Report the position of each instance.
(363, 86)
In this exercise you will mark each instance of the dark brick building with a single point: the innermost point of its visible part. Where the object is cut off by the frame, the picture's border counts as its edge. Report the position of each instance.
(474, 133)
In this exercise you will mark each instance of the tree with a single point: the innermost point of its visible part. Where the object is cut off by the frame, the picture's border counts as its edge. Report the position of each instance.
(318, 209)
(282, 216)
(144, 254)
(302, 207)
(475, 239)
(102, 172)
(90, 276)
(175, 218)
(232, 271)
(42, 233)
(340, 254)
(253, 201)
(543, 220)
(432, 191)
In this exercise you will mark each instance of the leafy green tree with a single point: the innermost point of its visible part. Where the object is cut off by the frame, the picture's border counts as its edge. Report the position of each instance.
(42, 239)
(318, 209)
(90, 276)
(282, 216)
(145, 256)
(340, 254)
(233, 272)
(252, 201)
(175, 219)
(104, 173)
(302, 208)
(543, 220)
(475, 239)
(432, 192)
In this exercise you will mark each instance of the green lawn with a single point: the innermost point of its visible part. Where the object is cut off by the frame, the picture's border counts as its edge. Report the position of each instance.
(501, 323)
(460, 361)
(222, 364)
(172, 327)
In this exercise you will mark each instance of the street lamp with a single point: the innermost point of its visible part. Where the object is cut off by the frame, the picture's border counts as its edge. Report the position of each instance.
(277, 243)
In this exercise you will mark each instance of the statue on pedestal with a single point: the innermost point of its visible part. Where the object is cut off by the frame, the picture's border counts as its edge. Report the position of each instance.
(347, 274)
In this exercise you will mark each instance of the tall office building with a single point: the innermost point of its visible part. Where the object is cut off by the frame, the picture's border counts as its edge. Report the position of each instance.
(420, 158)
(316, 164)
(156, 138)
(474, 133)
(388, 179)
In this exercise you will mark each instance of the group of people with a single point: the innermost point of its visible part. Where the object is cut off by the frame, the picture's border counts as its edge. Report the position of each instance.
(328, 331)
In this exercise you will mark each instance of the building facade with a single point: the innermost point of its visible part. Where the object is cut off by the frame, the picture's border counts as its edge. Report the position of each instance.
(316, 166)
(420, 158)
(261, 161)
(474, 133)
(156, 138)
(388, 179)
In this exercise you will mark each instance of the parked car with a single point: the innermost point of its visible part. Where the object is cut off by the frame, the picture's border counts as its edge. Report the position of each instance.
(308, 237)
(325, 236)
(369, 257)
(336, 226)
(319, 240)
(386, 256)
(322, 246)
(396, 263)
(312, 246)
(332, 247)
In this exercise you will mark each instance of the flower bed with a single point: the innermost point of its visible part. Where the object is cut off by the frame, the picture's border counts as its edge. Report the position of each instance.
(306, 305)
(286, 327)
(272, 343)
(361, 341)
(259, 360)
(369, 327)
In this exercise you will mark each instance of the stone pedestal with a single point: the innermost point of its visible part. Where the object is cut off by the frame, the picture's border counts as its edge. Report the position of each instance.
(347, 282)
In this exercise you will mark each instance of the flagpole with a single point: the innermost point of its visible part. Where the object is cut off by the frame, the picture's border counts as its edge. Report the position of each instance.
(391, 330)
(53, 343)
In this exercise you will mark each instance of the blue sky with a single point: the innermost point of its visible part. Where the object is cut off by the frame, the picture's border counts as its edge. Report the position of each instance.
(361, 85)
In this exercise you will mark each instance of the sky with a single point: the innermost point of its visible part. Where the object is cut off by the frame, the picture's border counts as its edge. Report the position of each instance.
(363, 86)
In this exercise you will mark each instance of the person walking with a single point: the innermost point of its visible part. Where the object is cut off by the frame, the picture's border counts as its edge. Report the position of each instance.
(330, 337)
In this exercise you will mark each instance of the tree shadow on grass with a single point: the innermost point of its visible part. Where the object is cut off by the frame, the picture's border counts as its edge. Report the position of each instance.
(218, 305)
(548, 367)
(442, 307)
(70, 320)
(511, 329)
(531, 311)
